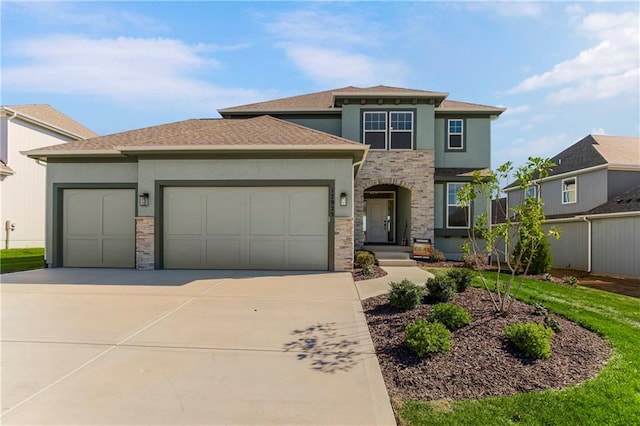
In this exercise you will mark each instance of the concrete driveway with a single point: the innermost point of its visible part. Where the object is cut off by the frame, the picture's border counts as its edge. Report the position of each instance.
(97, 346)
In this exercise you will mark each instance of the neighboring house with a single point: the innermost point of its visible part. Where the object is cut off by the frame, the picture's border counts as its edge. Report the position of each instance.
(592, 194)
(295, 183)
(22, 186)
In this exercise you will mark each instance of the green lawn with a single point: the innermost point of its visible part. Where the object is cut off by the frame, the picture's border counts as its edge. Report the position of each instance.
(611, 398)
(14, 260)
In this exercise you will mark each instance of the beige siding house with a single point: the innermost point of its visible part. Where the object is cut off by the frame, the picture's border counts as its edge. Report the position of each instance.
(22, 186)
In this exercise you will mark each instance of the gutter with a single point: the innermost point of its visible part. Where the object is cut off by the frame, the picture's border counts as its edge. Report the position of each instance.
(41, 123)
(589, 254)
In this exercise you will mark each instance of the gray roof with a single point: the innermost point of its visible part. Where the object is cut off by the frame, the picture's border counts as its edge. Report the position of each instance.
(626, 202)
(596, 150)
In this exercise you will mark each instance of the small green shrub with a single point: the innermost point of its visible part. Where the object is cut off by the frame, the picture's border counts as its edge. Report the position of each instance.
(541, 259)
(437, 256)
(474, 260)
(462, 277)
(552, 323)
(364, 258)
(452, 316)
(425, 338)
(534, 340)
(442, 288)
(570, 280)
(405, 294)
(540, 310)
(367, 270)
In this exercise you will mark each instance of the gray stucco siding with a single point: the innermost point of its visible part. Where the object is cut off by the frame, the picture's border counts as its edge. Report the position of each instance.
(339, 170)
(477, 136)
(328, 125)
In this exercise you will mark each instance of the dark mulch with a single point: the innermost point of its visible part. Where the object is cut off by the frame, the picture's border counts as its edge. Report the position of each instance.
(481, 361)
(358, 275)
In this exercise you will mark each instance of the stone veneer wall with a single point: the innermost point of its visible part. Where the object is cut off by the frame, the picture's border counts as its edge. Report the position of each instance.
(145, 239)
(413, 170)
(343, 244)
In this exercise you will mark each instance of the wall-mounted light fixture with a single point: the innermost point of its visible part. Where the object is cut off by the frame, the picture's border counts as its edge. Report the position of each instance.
(143, 199)
(343, 199)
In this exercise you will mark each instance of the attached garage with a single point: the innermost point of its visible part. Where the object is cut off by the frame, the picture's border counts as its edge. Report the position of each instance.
(98, 228)
(260, 227)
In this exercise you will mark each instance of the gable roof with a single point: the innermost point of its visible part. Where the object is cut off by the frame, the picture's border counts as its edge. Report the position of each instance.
(51, 117)
(596, 150)
(5, 170)
(626, 202)
(258, 133)
(332, 100)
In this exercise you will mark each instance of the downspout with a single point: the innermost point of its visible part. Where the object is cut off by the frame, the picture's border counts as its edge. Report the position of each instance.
(586, 219)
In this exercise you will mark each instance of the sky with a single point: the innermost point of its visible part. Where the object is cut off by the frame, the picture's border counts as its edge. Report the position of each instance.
(562, 69)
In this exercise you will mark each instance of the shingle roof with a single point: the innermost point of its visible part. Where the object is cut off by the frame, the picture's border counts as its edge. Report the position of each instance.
(46, 114)
(263, 130)
(5, 170)
(326, 100)
(627, 202)
(596, 150)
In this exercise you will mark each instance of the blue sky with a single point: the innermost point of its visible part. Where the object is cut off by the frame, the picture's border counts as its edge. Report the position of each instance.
(563, 69)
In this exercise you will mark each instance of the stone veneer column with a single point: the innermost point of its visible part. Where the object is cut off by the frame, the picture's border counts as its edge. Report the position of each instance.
(145, 240)
(343, 244)
(413, 170)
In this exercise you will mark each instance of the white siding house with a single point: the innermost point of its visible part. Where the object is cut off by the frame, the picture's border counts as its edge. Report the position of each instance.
(22, 180)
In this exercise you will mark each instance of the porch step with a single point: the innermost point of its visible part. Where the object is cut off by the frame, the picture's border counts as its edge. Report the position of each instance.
(386, 248)
(397, 262)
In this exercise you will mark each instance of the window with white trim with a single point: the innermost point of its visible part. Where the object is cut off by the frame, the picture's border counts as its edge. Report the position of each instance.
(458, 215)
(455, 134)
(569, 190)
(531, 192)
(398, 135)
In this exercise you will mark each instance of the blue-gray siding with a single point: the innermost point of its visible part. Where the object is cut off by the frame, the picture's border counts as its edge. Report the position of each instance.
(616, 245)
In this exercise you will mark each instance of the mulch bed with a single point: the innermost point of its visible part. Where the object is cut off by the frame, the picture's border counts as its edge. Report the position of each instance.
(358, 275)
(481, 361)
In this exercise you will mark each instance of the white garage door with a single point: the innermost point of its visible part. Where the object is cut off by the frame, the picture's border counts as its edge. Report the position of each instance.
(99, 228)
(246, 228)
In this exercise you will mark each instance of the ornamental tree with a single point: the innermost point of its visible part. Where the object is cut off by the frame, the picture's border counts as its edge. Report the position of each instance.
(522, 227)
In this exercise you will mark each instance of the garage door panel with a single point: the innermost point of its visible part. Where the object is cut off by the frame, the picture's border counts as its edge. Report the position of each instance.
(98, 228)
(184, 212)
(307, 213)
(117, 253)
(267, 212)
(248, 228)
(81, 252)
(307, 254)
(183, 253)
(267, 253)
(224, 253)
(224, 212)
(116, 210)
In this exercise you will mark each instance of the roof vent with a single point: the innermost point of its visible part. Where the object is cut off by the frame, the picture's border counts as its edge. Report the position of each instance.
(559, 161)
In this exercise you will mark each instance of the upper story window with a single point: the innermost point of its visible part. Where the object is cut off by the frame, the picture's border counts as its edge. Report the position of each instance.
(455, 134)
(531, 192)
(458, 215)
(384, 130)
(569, 190)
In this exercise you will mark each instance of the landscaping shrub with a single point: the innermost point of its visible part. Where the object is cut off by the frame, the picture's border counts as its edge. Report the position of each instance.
(442, 288)
(452, 316)
(405, 294)
(364, 258)
(425, 338)
(541, 260)
(437, 256)
(570, 280)
(534, 340)
(474, 260)
(462, 278)
(552, 323)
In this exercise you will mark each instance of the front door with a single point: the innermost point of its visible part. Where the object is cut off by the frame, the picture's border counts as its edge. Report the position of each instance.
(378, 221)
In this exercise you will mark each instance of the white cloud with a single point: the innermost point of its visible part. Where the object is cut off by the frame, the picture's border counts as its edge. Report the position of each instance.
(544, 146)
(514, 9)
(603, 71)
(515, 110)
(140, 71)
(331, 49)
(598, 131)
(574, 9)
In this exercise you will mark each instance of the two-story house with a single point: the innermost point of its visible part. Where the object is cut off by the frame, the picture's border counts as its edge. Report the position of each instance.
(22, 181)
(294, 183)
(591, 194)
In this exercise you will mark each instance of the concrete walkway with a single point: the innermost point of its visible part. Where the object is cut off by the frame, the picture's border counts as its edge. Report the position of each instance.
(96, 346)
(375, 287)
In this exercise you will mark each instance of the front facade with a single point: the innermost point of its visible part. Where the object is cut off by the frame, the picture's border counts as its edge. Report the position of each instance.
(22, 180)
(295, 183)
(592, 195)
